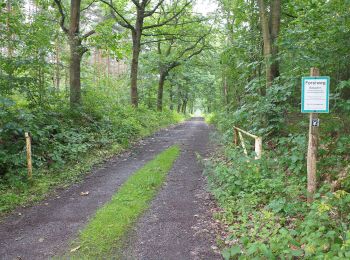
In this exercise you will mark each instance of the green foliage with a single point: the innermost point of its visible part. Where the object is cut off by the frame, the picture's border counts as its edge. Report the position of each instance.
(267, 214)
(62, 137)
(264, 201)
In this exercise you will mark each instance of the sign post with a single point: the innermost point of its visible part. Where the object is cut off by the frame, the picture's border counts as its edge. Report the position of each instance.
(315, 99)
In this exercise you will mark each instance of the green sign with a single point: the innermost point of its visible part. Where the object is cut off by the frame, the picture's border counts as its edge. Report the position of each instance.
(315, 94)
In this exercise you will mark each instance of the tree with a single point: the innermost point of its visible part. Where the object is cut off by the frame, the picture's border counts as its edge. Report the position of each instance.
(175, 53)
(176, 44)
(137, 26)
(270, 29)
(77, 49)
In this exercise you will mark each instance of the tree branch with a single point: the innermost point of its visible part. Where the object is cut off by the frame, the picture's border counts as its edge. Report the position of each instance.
(156, 41)
(168, 20)
(137, 3)
(289, 15)
(154, 9)
(184, 23)
(170, 34)
(168, 40)
(88, 6)
(86, 35)
(194, 45)
(63, 16)
(126, 23)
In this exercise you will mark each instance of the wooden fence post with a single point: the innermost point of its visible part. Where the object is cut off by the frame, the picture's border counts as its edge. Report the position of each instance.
(258, 147)
(242, 143)
(29, 155)
(235, 136)
(312, 150)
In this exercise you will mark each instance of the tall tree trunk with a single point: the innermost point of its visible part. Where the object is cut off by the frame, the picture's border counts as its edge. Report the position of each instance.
(162, 77)
(171, 96)
(134, 68)
(275, 28)
(179, 107)
(267, 43)
(75, 54)
(270, 33)
(184, 106)
(74, 73)
(136, 48)
(8, 25)
(58, 71)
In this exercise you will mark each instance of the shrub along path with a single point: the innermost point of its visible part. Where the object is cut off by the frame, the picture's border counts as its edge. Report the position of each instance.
(175, 227)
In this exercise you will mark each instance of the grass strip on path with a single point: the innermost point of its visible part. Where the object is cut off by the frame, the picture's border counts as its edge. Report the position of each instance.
(104, 232)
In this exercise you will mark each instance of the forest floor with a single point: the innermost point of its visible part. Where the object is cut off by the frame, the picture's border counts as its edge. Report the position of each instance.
(178, 224)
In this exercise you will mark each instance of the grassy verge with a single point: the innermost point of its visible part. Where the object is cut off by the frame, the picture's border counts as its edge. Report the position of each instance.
(17, 191)
(103, 233)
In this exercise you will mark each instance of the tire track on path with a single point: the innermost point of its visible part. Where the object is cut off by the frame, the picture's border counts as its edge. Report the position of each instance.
(177, 225)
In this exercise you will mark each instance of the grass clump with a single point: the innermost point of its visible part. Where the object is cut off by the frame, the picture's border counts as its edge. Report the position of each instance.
(104, 232)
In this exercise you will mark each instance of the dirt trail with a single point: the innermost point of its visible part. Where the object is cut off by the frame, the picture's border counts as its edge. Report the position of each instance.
(175, 227)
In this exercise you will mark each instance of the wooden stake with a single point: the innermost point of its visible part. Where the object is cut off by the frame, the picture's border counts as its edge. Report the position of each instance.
(242, 143)
(312, 150)
(29, 155)
(258, 147)
(235, 136)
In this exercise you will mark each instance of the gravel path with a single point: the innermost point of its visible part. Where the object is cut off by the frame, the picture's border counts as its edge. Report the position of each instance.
(175, 227)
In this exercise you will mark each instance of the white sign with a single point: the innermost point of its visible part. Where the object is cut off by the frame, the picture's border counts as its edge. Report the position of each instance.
(315, 95)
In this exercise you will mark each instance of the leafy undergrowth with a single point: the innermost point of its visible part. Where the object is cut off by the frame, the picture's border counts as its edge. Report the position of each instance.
(65, 143)
(103, 234)
(265, 214)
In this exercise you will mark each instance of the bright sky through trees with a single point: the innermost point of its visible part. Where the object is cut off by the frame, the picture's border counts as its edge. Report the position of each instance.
(205, 6)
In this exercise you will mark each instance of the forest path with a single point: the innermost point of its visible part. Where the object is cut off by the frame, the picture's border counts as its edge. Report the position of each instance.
(175, 227)
(178, 224)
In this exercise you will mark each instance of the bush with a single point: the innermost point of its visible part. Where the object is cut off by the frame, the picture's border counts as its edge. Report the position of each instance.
(264, 201)
(60, 136)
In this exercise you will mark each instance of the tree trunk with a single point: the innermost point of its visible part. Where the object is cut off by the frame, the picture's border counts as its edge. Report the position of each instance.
(267, 43)
(179, 107)
(270, 36)
(184, 106)
(275, 28)
(134, 69)
(58, 71)
(74, 73)
(75, 54)
(171, 96)
(136, 48)
(162, 77)
(8, 25)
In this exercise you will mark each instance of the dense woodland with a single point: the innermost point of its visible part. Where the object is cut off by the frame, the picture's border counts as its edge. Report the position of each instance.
(86, 77)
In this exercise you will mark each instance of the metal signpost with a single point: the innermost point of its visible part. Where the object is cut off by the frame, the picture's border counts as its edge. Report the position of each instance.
(314, 99)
